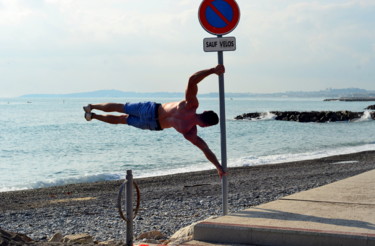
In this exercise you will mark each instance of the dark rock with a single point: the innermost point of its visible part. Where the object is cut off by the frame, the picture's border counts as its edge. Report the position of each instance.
(305, 117)
(13, 238)
(371, 107)
(356, 99)
(330, 99)
(312, 116)
(248, 116)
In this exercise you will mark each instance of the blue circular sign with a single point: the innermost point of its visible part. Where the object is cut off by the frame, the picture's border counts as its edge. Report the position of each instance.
(219, 17)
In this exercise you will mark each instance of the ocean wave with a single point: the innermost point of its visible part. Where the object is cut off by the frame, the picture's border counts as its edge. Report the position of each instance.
(283, 158)
(239, 162)
(65, 181)
(13, 188)
(365, 117)
(265, 116)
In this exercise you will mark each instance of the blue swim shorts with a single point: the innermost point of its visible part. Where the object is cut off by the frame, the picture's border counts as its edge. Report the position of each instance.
(143, 115)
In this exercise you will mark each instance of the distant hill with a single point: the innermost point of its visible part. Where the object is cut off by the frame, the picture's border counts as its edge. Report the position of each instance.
(328, 93)
(107, 93)
(347, 92)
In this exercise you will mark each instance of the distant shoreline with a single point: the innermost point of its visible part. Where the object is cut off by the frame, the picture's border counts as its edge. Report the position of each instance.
(329, 93)
(352, 99)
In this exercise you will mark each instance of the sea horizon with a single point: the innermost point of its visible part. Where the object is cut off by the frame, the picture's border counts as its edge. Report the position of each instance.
(329, 92)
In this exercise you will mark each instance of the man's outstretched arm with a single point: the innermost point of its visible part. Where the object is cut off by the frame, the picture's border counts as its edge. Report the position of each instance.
(192, 88)
(202, 145)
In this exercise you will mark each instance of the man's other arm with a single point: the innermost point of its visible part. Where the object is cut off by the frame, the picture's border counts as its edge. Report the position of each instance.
(192, 88)
(202, 145)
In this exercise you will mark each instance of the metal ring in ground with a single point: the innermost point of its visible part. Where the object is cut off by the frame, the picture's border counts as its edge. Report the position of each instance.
(119, 200)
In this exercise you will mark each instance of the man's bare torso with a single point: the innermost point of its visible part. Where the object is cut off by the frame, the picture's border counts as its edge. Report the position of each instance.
(177, 115)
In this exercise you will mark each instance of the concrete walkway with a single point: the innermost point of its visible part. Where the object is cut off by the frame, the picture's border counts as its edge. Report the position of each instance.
(341, 213)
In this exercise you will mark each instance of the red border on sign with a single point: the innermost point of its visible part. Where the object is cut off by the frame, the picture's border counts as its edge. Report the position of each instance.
(214, 30)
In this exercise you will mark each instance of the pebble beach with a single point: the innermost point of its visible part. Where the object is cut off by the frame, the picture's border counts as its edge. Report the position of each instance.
(168, 203)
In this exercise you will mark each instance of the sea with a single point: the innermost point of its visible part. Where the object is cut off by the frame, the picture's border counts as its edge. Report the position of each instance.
(47, 142)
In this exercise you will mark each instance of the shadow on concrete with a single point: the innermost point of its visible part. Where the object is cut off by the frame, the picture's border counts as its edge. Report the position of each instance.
(287, 216)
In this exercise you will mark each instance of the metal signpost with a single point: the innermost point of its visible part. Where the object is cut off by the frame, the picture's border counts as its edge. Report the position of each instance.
(129, 208)
(128, 186)
(220, 17)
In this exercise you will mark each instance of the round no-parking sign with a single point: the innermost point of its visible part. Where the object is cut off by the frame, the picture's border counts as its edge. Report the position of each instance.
(219, 17)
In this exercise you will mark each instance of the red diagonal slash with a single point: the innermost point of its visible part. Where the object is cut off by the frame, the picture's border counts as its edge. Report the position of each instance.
(219, 13)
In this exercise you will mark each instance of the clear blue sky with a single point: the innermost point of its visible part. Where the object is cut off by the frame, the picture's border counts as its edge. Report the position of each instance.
(66, 46)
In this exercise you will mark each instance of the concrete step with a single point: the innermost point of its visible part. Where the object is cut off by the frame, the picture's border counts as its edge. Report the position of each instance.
(341, 213)
(201, 243)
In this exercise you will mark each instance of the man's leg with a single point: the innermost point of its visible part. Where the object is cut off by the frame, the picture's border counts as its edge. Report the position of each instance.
(111, 119)
(106, 107)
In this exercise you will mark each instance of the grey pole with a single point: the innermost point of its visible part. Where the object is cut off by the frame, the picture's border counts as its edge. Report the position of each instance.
(129, 208)
(224, 181)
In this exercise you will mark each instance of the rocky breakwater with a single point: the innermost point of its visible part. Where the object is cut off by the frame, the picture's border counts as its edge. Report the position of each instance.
(311, 116)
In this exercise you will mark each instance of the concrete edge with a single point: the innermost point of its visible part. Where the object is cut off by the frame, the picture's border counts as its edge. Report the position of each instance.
(291, 229)
(226, 233)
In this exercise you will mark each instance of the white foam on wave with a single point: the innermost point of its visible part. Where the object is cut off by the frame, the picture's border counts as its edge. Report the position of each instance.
(344, 162)
(13, 188)
(107, 177)
(270, 159)
(87, 178)
(283, 158)
(366, 116)
(240, 162)
(265, 116)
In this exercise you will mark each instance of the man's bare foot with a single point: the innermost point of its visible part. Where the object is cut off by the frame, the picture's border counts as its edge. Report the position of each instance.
(88, 116)
(87, 108)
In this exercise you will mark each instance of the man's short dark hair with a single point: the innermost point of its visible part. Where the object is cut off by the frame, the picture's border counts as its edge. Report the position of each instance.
(210, 118)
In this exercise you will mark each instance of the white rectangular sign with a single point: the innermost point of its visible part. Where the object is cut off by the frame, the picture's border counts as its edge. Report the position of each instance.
(219, 44)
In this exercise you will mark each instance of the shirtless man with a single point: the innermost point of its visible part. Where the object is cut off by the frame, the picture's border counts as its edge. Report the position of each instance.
(180, 115)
